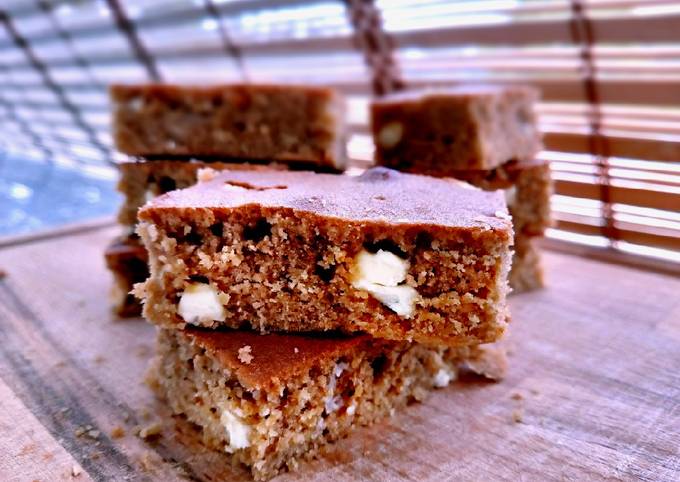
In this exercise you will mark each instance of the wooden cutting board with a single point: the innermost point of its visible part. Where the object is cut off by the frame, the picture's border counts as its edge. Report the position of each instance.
(593, 390)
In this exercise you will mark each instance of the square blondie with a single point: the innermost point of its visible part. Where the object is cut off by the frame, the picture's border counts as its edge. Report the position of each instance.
(395, 255)
(273, 400)
(287, 123)
(439, 132)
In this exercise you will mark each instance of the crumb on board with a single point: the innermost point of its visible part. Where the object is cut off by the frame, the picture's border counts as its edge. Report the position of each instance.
(149, 461)
(244, 354)
(3, 274)
(87, 431)
(517, 416)
(117, 432)
(143, 351)
(150, 431)
(517, 396)
(76, 471)
(27, 449)
(99, 359)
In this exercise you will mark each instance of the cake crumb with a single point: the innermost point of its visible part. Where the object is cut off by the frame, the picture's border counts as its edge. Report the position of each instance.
(143, 351)
(244, 354)
(117, 432)
(517, 396)
(87, 431)
(517, 416)
(76, 471)
(99, 359)
(206, 174)
(150, 431)
(3, 274)
(148, 462)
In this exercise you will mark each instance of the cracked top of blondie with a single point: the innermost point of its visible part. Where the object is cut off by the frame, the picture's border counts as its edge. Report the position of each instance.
(378, 196)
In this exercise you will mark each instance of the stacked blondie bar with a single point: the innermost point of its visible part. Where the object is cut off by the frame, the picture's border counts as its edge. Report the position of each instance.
(294, 306)
(484, 135)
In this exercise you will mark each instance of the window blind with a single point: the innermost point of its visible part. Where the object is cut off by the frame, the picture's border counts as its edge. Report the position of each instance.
(609, 72)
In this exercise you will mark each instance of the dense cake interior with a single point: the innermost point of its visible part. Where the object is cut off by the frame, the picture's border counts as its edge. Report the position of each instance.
(280, 269)
(269, 417)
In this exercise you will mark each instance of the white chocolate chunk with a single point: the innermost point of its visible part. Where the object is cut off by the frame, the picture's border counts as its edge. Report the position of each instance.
(333, 402)
(390, 135)
(148, 195)
(135, 104)
(400, 299)
(239, 432)
(206, 174)
(510, 195)
(383, 268)
(443, 377)
(380, 275)
(200, 304)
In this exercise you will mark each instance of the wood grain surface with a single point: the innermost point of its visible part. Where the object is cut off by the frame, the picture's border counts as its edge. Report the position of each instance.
(593, 390)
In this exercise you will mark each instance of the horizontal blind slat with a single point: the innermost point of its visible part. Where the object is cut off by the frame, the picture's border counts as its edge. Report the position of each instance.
(657, 197)
(635, 235)
(655, 150)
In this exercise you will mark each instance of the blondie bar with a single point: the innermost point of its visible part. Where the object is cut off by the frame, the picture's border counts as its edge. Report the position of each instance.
(272, 400)
(126, 258)
(527, 187)
(527, 269)
(143, 180)
(439, 132)
(296, 124)
(395, 255)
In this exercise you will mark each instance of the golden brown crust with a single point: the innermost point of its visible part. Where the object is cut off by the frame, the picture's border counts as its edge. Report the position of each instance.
(126, 92)
(380, 197)
(276, 356)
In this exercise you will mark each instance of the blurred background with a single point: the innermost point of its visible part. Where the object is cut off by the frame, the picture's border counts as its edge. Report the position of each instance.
(609, 71)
